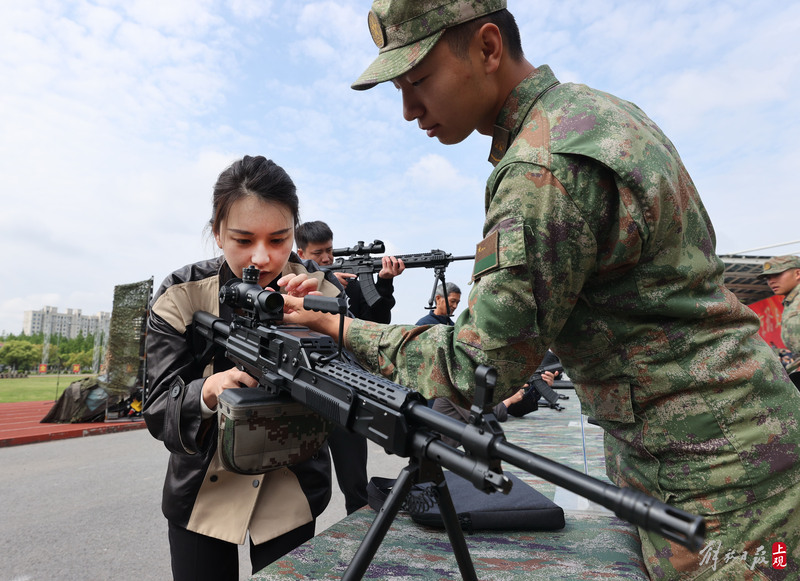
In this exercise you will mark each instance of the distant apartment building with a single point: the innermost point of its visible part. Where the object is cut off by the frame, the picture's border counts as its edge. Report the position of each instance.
(70, 324)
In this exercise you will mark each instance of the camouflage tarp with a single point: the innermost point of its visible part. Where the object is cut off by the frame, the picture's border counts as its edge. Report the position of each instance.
(83, 401)
(126, 337)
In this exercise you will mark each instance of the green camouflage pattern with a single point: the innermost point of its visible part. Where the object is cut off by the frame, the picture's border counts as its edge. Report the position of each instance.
(790, 320)
(606, 254)
(126, 333)
(780, 264)
(790, 327)
(593, 547)
(739, 544)
(594, 544)
(406, 30)
(265, 432)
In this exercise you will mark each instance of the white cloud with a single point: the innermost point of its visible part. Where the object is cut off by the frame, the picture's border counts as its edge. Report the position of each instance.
(118, 115)
(255, 11)
(438, 175)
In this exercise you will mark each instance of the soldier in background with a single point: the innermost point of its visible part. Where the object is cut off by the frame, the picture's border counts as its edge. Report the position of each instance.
(315, 242)
(445, 306)
(349, 450)
(596, 243)
(782, 274)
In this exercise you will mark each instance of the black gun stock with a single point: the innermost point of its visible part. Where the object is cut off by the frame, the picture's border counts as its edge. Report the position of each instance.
(309, 366)
(359, 262)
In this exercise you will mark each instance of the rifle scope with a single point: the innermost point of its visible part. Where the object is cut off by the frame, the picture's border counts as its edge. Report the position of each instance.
(248, 295)
(361, 249)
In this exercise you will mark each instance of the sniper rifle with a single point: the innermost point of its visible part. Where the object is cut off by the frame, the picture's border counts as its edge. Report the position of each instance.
(357, 260)
(310, 367)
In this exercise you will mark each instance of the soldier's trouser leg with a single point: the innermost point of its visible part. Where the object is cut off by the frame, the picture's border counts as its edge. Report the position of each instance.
(349, 454)
(738, 545)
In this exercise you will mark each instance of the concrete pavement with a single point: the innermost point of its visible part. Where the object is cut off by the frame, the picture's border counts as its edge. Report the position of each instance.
(89, 509)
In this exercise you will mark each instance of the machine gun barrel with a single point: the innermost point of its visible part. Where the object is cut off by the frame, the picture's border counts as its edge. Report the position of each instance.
(631, 505)
(627, 503)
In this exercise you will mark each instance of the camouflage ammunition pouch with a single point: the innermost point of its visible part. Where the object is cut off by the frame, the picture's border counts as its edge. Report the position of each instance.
(259, 432)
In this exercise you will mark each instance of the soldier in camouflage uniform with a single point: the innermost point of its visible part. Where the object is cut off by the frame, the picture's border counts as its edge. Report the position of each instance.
(595, 243)
(783, 277)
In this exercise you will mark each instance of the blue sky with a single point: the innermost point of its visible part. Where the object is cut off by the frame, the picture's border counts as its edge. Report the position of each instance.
(116, 116)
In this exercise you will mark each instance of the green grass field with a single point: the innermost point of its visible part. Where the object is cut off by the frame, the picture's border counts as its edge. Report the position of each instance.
(35, 387)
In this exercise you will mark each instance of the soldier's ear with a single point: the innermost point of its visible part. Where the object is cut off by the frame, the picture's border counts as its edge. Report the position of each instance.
(490, 41)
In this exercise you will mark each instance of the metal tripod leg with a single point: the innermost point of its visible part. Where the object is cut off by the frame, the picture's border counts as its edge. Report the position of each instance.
(394, 501)
(454, 532)
(380, 526)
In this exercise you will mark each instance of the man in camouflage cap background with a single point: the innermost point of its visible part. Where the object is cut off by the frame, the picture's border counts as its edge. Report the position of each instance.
(595, 243)
(783, 277)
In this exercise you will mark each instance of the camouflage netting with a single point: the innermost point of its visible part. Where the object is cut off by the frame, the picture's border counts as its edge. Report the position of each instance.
(126, 337)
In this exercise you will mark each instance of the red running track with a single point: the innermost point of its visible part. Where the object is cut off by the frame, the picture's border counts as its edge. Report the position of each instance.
(20, 424)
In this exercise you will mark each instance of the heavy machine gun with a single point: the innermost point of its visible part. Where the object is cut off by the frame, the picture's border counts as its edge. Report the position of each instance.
(358, 260)
(311, 368)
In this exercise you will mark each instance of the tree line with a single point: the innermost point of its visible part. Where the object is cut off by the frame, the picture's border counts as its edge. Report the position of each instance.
(24, 352)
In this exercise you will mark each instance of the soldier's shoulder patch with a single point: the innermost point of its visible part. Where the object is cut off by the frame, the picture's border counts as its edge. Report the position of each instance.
(486, 255)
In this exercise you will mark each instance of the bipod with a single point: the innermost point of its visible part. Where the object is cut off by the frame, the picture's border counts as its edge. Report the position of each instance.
(479, 468)
(438, 278)
(416, 471)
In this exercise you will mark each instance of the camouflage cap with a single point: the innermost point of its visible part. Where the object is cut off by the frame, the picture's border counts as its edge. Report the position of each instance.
(780, 264)
(406, 30)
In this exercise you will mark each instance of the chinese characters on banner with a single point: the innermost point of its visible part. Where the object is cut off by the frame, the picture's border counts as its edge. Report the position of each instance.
(769, 313)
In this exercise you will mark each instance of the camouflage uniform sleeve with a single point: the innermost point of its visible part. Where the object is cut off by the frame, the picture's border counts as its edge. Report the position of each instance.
(541, 250)
(790, 328)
